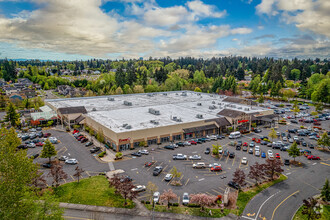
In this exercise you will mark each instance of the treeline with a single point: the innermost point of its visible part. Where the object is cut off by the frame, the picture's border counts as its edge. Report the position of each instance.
(208, 75)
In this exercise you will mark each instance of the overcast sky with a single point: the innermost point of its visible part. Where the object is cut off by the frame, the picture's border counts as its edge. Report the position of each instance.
(83, 29)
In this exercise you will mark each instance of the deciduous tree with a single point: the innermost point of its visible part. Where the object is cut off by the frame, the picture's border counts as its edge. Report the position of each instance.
(293, 151)
(57, 173)
(48, 150)
(239, 177)
(256, 172)
(167, 196)
(123, 187)
(272, 134)
(151, 189)
(176, 174)
(310, 209)
(324, 140)
(78, 173)
(273, 166)
(203, 200)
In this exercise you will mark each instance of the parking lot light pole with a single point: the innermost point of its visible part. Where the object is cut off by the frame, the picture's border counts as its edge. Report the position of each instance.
(153, 208)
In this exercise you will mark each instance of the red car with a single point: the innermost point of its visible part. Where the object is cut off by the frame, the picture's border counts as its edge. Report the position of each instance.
(40, 144)
(81, 137)
(245, 144)
(148, 164)
(277, 155)
(312, 157)
(192, 142)
(75, 131)
(83, 140)
(46, 135)
(216, 168)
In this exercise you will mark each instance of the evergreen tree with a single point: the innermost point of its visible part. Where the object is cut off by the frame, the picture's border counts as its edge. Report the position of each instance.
(293, 151)
(325, 192)
(12, 115)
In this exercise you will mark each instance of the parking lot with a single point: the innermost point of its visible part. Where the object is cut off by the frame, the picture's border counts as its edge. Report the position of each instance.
(192, 180)
(203, 180)
(70, 147)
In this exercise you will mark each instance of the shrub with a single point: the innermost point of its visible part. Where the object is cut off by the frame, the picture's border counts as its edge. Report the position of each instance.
(102, 154)
(175, 204)
(147, 202)
(119, 154)
(142, 201)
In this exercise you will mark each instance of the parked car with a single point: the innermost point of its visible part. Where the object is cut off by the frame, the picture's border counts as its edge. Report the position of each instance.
(286, 162)
(192, 142)
(139, 188)
(149, 163)
(231, 154)
(46, 135)
(251, 151)
(168, 177)
(136, 154)
(185, 199)
(157, 170)
(22, 146)
(83, 140)
(277, 155)
(257, 130)
(226, 153)
(207, 151)
(89, 143)
(244, 160)
(270, 154)
(233, 185)
(63, 158)
(214, 164)
(31, 145)
(40, 144)
(312, 157)
(145, 152)
(169, 147)
(245, 148)
(294, 122)
(257, 153)
(179, 157)
(216, 168)
(263, 155)
(71, 161)
(195, 157)
(34, 156)
(186, 143)
(94, 149)
(156, 197)
(238, 147)
(199, 165)
(47, 165)
(40, 134)
(53, 140)
(180, 144)
(126, 179)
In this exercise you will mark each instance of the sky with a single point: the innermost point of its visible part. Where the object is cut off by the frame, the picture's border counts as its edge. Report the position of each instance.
(116, 29)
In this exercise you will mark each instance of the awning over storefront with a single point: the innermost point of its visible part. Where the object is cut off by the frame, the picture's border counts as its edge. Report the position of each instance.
(267, 118)
(201, 128)
(221, 121)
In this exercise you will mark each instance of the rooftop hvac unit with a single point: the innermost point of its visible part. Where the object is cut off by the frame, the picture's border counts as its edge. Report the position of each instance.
(179, 120)
(127, 103)
(184, 94)
(211, 95)
(239, 108)
(94, 109)
(124, 125)
(174, 118)
(246, 109)
(199, 116)
(128, 127)
(164, 93)
(220, 103)
(150, 95)
(176, 94)
(213, 102)
(198, 94)
(154, 111)
(156, 123)
(152, 121)
(212, 107)
(199, 104)
(111, 99)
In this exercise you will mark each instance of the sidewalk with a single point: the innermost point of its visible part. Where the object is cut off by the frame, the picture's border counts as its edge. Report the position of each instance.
(139, 210)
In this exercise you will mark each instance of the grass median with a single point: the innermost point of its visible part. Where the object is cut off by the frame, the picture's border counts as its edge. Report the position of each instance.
(91, 191)
(245, 196)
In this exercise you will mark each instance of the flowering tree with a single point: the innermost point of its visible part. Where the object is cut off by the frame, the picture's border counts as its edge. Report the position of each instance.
(57, 173)
(167, 196)
(203, 200)
(239, 177)
(123, 186)
(273, 166)
(256, 172)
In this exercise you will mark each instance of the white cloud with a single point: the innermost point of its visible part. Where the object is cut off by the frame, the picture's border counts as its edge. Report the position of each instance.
(165, 16)
(266, 7)
(200, 9)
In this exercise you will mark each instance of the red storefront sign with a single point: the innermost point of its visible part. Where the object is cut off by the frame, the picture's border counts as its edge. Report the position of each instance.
(123, 140)
(242, 121)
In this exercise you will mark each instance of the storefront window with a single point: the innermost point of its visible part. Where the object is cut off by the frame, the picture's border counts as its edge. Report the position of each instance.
(124, 147)
(176, 137)
(152, 141)
(164, 139)
(136, 144)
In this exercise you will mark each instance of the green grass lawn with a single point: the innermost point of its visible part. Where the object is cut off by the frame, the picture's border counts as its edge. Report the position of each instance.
(216, 213)
(91, 191)
(325, 214)
(245, 197)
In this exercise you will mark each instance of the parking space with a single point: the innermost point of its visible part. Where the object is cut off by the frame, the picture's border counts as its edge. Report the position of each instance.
(68, 146)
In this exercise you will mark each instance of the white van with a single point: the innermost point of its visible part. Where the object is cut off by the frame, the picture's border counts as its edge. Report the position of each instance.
(234, 135)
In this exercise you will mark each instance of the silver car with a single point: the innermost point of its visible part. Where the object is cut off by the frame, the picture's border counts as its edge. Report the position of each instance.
(185, 199)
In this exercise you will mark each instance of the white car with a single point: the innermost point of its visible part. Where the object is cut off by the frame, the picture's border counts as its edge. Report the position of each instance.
(257, 148)
(195, 157)
(295, 138)
(168, 177)
(257, 153)
(53, 140)
(145, 152)
(270, 154)
(71, 161)
(214, 164)
(186, 143)
(185, 199)
(31, 145)
(285, 139)
(139, 188)
(212, 137)
(244, 160)
(290, 140)
(199, 165)
(156, 197)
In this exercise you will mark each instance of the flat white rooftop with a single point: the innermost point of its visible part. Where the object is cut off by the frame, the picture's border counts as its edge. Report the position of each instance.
(111, 111)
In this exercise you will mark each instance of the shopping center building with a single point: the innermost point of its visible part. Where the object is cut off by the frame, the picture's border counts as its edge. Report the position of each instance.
(155, 118)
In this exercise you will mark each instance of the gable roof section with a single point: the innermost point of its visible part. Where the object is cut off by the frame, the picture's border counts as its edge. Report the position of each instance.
(73, 110)
(230, 113)
(239, 101)
(221, 121)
